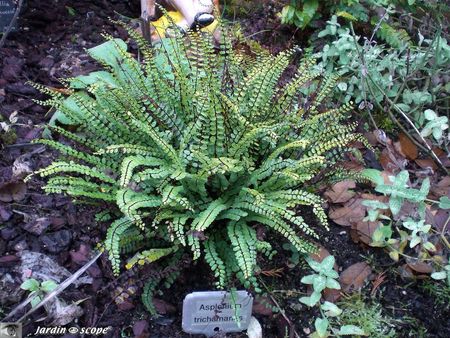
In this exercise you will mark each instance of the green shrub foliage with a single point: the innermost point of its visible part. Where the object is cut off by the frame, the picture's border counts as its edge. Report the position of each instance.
(196, 148)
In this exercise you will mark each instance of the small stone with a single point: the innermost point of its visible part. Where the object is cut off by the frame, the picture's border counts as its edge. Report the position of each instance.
(57, 241)
(37, 226)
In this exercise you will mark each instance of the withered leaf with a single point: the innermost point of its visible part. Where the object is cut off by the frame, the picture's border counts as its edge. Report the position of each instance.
(419, 266)
(407, 147)
(354, 277)
(13, 191)
(365, 231)
(340, 192)
(351, 213)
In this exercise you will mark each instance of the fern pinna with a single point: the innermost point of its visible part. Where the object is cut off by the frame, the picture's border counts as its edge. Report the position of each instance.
(197, 147)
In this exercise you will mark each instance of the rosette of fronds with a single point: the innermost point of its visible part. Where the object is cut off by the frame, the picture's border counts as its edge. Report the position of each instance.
(195, 148)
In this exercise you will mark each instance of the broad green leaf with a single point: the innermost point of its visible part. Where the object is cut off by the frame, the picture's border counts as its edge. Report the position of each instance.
(373, 175)
(414, 241)
(395, 204)
(381, 235)
(332, 284)
(401, 180)
(349, 330)
(48, 286)
(425, 188)
(316, 266)
(429, 246)
(308, 279)
(109, 52)
(342, 86)
(346, 15)
(444, 202)
(83, 81)
(331, 309)
(30, 284)
(374, 204)
(331, 274)
(35, 301)
(430, 114)
(319, 283)
(321, 325)
(327, 264)
(309, 10)
(311, 300)
(439, 275)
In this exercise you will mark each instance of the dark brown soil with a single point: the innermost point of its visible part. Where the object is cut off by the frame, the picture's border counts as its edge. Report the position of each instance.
(50, 44)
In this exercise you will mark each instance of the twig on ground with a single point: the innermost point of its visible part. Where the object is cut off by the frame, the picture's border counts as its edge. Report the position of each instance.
(444, 230)
(280, 309)
(52, 294)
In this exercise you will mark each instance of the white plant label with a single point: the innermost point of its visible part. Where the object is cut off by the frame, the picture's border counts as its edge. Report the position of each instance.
(7, 10)
(210, 312)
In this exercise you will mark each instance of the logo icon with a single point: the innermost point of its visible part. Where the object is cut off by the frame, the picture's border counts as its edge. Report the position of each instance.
(10, 330)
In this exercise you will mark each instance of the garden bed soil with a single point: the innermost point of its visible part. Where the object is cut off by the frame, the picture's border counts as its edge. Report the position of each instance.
(49, 45)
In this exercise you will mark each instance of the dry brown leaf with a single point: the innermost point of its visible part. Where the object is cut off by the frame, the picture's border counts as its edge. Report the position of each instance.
(13, 191)
(352, 165)
(419, 266)
(442, 188)
(332, 295)
(405, 272)
(351, 213)
(365, 231)
(440, 219)
(354, 277)
(163, 307)
(371, 137)
(391, 160)
(339, 192)
(426, 163)
(263, 306)
(406, 147)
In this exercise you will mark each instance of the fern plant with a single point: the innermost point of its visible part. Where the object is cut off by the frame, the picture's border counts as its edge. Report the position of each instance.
(195, 148)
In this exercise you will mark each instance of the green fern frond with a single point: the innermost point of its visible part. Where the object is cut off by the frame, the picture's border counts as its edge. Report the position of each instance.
(112, 241)
(195, 148)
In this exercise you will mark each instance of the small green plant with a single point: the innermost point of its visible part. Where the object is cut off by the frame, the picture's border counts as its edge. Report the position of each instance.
(376, 76)
(38, 290)
(300, 12)
(71, 11)
(194, 149)
(366, 315)
(435, 125)
(411, 227)
(305, 13)
(439, 291)
(443, 275)
(325, 277)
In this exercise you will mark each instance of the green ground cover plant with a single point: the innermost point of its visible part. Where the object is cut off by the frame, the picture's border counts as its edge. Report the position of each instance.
(409, 80)
(37, 289)
(413, 239)
(325, 277)
(308, 14)
(367, 315)
(191, 149)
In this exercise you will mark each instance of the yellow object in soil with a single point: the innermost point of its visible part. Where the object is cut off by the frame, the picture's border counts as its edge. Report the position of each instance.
(164, 22)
